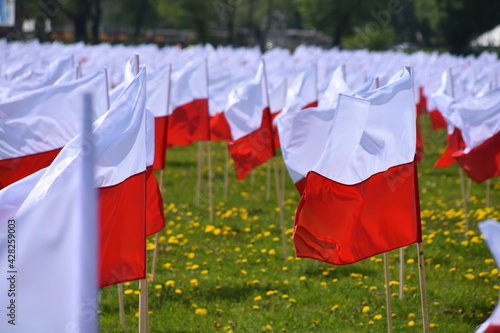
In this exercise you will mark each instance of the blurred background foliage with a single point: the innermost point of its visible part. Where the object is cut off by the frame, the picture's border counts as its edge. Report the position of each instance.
(375, 24)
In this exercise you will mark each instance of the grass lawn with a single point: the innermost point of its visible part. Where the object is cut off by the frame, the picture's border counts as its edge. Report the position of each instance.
(230, 275)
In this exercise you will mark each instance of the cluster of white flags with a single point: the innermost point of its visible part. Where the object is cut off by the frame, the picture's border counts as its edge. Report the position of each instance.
(41, 106)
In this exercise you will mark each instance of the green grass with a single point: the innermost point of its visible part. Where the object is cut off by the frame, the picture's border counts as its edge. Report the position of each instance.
(230, 275)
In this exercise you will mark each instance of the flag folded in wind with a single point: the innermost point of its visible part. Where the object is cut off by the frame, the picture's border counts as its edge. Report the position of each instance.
(249, 120)
(48, 228)
(479, 120)
(36, 125)
(360, 199)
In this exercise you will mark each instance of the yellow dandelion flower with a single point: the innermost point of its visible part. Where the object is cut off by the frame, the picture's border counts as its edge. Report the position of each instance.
(302, 278)
(377, 317)
(335, 307)
(411, 323)
(366, 308)
(470, 276)
(158, 286)
(178, 291)
(201, 312)
(257, 298)
(128, 291)
(170, 283)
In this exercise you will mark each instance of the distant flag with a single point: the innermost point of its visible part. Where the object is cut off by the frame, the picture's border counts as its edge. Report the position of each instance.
(249, 120)
(364, 186)
(479, 120)
(157, 95)
(188, 120)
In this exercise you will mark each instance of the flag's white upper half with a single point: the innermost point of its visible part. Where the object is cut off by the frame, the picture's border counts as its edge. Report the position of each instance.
(477, 117)
(188, 83)
(304, 134)
(245, 105)
(48, 118)
(366, 141)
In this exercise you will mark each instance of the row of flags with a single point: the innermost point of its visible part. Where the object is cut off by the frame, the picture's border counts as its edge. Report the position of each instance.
(350, 145)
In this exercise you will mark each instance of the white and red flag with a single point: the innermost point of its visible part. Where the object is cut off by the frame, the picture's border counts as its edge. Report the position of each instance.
(48, 228)
(36, 125)
(364, 187)
(188, 120)
(479, 120)
(249, 120)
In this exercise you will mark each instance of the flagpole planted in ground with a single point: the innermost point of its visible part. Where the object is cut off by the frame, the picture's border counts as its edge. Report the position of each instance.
(143, 283)
(401, 272)
(226, 175)
(488, 185)
(268, 180)
(210, 184)
(423, 288)
(199, 177)
(157, 235)
(280, 207)
(387, 292)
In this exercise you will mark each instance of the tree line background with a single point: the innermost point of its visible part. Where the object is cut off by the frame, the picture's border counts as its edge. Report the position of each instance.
(373, 24)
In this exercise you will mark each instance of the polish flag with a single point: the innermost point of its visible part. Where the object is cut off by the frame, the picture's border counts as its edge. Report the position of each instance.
(157, 95)
(36, 125)
(364, 186)
(304, 135)
(49, 230)
(479, 120)
(249, 120)
(491, 232)
(121, 180)
(189, 118)
(440, 101)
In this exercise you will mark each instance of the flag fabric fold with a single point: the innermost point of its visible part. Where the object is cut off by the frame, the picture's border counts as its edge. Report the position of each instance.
(361, 198)
(36, 125)
(249, 119)
(189, 119)
(48, 223)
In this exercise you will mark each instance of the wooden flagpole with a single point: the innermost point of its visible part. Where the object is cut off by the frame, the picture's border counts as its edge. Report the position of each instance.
(199, 178)
(121, 305)
(423, 287)
(268, 180)
(143, 283)
(157, 235)
(210, 184)
(388, 309)
(488, 185)
(401, 272)
(209, 161)
(162, 181)
(277, 180)
(226, 175)
(143, 306)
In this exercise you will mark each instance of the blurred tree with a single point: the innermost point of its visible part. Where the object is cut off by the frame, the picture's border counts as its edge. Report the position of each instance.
(454, 23)
(194, 14)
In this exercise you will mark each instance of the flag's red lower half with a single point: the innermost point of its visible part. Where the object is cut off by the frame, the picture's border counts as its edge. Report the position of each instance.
(437, 120)
(341, 224)
(155, 219)
(482, 162)
(493, 328)
(301, 185)
(253, 149)
(160, 142)
(14, 169)
(188, 123)
(455, 143)
(122, 231)
(219, 128)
